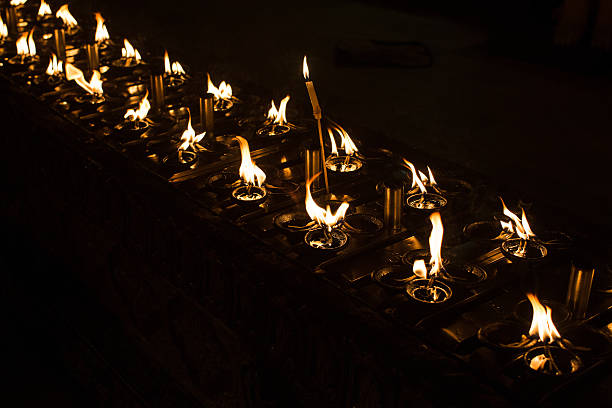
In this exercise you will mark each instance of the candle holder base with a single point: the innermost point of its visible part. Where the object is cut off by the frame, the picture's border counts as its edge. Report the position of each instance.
(552, 361)
(273, 129)
(522, 250)
(361, 223)
(426, 201)
(224, 181)
(344, 164)
(249, 194)
(320, 239)
(223, 105)
(293, 222)
(23, 59)
(465, 274)
(126, 62)
(89, 99)
(422, 291)
(174, 81)
(505, 335)
(393, 276)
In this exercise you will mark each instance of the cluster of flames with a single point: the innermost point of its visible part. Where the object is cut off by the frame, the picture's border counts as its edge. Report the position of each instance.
(419, 179)
(346, 142)
(101, 30)
(93, 86)
(55, 66)
(25, 44)
(250, 173)
(325, 218)
(516, 225)
(44, 9)
(189, 139)
(223, 92)
(129, 52)
(172, 69)
(278, 116)
(66, 17)
(134, 115)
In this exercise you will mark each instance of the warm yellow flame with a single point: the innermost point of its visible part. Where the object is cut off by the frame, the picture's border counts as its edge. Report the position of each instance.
(94, 86)
(542, 323)
(435, 250)
(141, 112)
(177, 68)
(346, 142)
(189, 137)
(25, 44)
(419, 268)
(101, 31)
(250, 173)
(223, 92)
(521, 226)
(325, 218)
(44, 9)
(334, 148)
(305, 69)
(18, 2)
(279, 116)
(507, 226)
(172, 69)
(66, 17)
(3, 29)
(128, 51)
(167, 67)
(416, 180)
(432, 180)
(55, 66)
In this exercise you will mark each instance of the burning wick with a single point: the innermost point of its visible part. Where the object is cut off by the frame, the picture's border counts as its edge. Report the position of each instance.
(3, 30)
(316, 113)
(526, 246)
(137, 117)
(252, 176)
(101, 35)
(55, 67)
(424, 200)
(174, 72)
(276, 122)
(130, 57)
(93, 87)
(188, 146)
(69, 21)
(348, 162)
(224, 100)
(44, 9)
(548, 358)
(26, 49)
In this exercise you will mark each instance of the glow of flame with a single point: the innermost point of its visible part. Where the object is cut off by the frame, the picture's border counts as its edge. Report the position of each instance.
(346, 142)
(250, 173)
(279, 116)
(167, 67)
(44, 9)
(101, 30)
(25, 44)
(3, 29)
(18, 2)
(435, 249)
(334, 148)
(419, 268)
(189, 137)
(541, 323)
(325, 218)
(128, 51)
(172, 69)
(66, 17)
(521, 226)
(305, 69)
(223, 92)
(94, 86)
(55, 67)
(432, 180)
(141, 112)
(416, 180)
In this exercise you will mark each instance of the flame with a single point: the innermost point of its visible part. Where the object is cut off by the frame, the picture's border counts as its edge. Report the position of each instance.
(3, 29)
(55, 67)
(416, 180)
(435, 249)
(189, 137)
(250, 173)
(278, 116)
(521, 226)
(223, 92)
(419, 268)
(101, 31)
(172, 69)
(305, 69)
(542, 323)
(25, 44)
(323, 217)
(44, 9)
(334, 149)
(66, 17)
(128, 51)
(141, 112)
(94, 86)
(18, 2)
(346, 142)
(167, 67)
(432, 180)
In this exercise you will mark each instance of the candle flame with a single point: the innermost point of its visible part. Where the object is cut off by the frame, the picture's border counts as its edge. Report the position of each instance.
(55, 67)
(189, 137)
(223, 92)
(521, 225)
(44, 9)
(346, 142)
(279, 116)
(94, 86)
(25, 44)
(305, 69)
(101, 31)
(141, 112)
(18, 2)
(128, 51)
(542, 323)
(325, 218)
(66, 17)
(172, 69)
(250, 173)
(3, 29)
(419, 179)
(435, 250)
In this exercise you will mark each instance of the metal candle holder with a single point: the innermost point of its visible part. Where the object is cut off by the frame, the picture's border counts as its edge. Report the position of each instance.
(322, 238)
(524, 250)
(426, 201)
(344, 164)
(249, 194)
(552, 360)
(274, 129)
(429, 290)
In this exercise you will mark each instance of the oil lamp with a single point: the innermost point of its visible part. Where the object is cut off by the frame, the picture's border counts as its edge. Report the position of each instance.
(55, 70)
(426, 288)
(70, 23)
(326, 235)
(136, 119)
(224, 100)
(526, 246)
(347, 162)
(174, 72)
(101, 36)
(276, 123)
(423, 200)
(95, 92)
(130, 57)
(187, 149)
(251, 190)
(26, 50)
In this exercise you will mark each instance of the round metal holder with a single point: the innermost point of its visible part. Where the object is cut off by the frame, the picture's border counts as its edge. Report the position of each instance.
(523, 250)
(465, 274)
(223, 105)
(344, 164)
(426, 201)
(362, 223)
(523, 311)
(249, 194)
(54, 80)
(224, 181)
(505, 335)
(185, 160)
(137, 126)
(283, 187)
(483, 231)
(175, 81)
(23, 60)
(589, 341)
(294, 222)
(319, 239)
(273, 129)
(393, 276)
(89, 99)
(421, 290)
(409, 257)
(552, 361)
(126, 62)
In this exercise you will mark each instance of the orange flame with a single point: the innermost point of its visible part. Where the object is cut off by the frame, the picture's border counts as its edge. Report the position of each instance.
(223, 92)
(189, 137)
(55, 67)
(279, 116)
(250, 173)
(101, 31)
(172, 69)
(25, 44)
(346, 142)
(435, 249)
(419, 178)
(3, 29)
(305, 69)
(325, 218)
(128, 51)
(44, 9)
(334, 149)
(94, 86)
(521, 226)
(18, 2)
(141, 112)
(66, 17)
(419, 268)
(542, 323)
